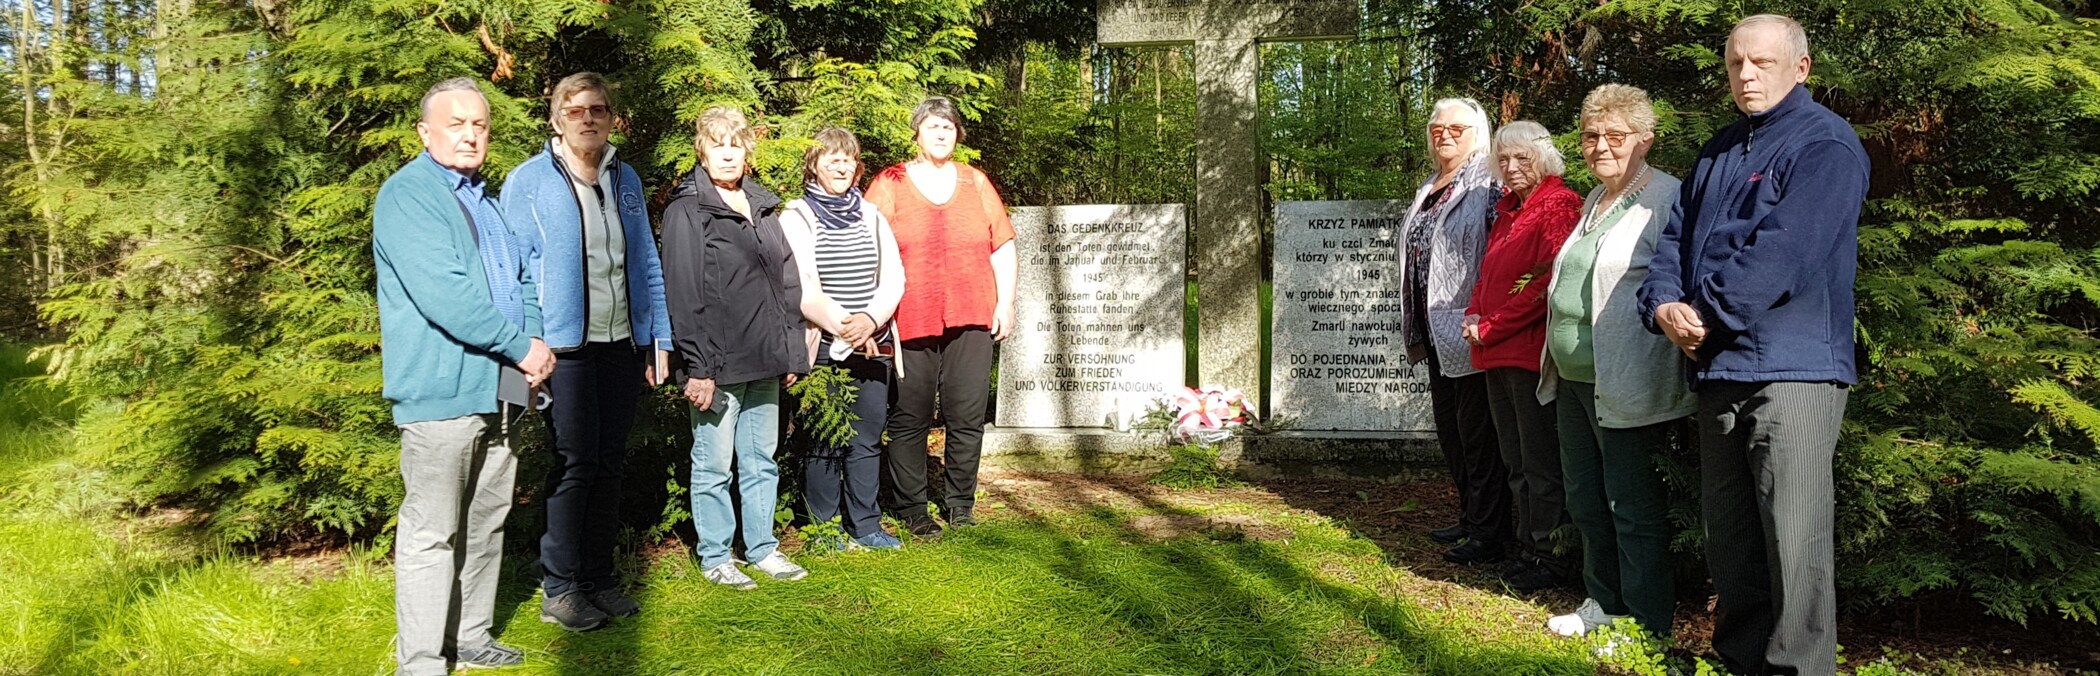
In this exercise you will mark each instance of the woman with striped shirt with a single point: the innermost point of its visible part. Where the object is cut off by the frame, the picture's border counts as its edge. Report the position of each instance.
(852, 279)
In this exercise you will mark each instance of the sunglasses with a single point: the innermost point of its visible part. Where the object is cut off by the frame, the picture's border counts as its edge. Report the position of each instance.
(1615, 138)
(575, 113)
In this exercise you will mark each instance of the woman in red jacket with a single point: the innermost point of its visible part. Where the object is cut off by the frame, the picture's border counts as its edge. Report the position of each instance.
(1506, 324)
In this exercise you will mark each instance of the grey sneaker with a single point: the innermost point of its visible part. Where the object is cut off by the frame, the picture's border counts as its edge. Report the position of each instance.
(614, 603)
(727, 574)
(573, 612)
(490, 655)
(777, 566)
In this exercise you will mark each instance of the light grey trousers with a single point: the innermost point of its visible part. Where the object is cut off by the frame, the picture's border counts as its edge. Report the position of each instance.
(1765, 452)
(448, 548)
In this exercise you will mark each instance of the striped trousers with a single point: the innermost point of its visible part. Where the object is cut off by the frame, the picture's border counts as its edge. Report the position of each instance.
(1765, 454)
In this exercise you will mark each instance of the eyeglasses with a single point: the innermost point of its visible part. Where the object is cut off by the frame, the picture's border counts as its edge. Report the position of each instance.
(1448, 130)
(1615, 138)
(575, 113)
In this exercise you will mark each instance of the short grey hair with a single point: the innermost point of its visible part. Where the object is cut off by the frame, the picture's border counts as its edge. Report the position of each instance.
(1532, 135)
(937, 106)
(1469, 112)
(1796, 37)
(457, 84)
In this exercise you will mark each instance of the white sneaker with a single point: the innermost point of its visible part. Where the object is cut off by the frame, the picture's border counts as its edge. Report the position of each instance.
(1586, 618)
(777, 566)
(728, 575)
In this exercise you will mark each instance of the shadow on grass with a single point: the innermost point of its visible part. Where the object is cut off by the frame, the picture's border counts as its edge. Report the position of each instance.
(1245, 578)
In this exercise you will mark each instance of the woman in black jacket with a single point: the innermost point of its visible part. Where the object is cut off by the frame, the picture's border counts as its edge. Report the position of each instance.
(735, 297)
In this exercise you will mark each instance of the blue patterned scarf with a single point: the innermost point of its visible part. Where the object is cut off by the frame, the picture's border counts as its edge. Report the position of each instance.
(836, 212)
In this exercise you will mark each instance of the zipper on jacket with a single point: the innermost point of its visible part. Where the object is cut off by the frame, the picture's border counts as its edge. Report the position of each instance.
(583, 262)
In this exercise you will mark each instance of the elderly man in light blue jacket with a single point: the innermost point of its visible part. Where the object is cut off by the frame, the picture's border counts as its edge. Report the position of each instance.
(581, 219)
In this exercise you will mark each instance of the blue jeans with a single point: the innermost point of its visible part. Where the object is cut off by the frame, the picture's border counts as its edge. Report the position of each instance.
(743, 427)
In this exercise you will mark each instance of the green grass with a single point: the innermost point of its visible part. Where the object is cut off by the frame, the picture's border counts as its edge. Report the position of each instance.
(1069, 584)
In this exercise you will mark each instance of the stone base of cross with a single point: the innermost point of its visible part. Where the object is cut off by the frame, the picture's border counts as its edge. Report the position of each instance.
(1227, 237)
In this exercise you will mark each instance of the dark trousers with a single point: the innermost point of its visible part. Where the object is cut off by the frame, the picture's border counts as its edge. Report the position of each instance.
(1467, 436)
(849, 476)
(595, 388)
(953, 372)
(1524, 430)
(1616, 497)
(1765, 480)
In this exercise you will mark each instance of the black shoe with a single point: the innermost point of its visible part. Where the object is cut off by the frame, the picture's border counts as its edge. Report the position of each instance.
(613, 603)
(1534, 578)
(1515, 570)
(1448, 536)
(490, 655)
(922, 526)
(960, 518)
(1475, 551)
(572, 612)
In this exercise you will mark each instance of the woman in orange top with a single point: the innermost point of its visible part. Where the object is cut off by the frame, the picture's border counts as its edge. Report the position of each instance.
(958, 251)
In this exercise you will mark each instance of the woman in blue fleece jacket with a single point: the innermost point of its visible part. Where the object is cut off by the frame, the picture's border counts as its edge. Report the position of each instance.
(580, 218)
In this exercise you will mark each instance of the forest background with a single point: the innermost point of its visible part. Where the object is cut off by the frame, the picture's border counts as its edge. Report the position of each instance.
(186, 225)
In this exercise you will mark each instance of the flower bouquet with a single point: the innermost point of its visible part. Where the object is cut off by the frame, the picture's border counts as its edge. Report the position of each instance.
(1196, 420)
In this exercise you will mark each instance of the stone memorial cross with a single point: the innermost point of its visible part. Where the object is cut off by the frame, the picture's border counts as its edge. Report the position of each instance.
(1228, 149)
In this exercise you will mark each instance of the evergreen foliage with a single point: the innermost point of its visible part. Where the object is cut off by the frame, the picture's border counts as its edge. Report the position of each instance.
(190, 185)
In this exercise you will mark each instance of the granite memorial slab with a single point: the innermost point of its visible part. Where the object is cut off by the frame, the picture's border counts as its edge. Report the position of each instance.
(1100, 299)
(1337, 361)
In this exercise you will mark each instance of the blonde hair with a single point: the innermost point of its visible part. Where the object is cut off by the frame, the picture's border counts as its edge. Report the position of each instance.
(573, 85)
(723, 123)
(1534, 136)
(1625, 101)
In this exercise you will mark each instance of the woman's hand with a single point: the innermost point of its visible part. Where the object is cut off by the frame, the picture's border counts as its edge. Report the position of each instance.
(701, 392)
(1002, 322)
(856, 328)
(1471, 329)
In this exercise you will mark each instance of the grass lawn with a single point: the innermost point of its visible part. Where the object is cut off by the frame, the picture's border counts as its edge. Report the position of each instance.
(1067, 575)
(1063, 577)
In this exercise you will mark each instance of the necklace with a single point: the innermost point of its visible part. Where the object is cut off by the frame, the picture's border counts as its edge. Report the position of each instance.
(1631, 193)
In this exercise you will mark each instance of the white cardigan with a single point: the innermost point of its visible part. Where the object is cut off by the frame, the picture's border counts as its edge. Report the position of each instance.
(819, 311)
(1640, 375)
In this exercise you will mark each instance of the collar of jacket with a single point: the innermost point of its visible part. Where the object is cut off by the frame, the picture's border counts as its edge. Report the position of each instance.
(561, 159)
(1475, 173)
(763, 201)
(1511, 203)
(1796, 99)
(454, 180)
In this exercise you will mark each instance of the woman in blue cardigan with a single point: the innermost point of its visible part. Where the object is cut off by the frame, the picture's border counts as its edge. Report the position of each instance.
(579, 215)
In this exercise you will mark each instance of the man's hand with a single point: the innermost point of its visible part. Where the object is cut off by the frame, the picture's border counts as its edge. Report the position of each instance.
(857, 328)
(1002, 321)
(1681, 324)
(538, 364)
(701, 392)
(1470, 330)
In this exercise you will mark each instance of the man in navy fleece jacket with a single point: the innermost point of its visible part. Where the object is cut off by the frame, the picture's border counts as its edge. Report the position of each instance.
(1752, 278)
